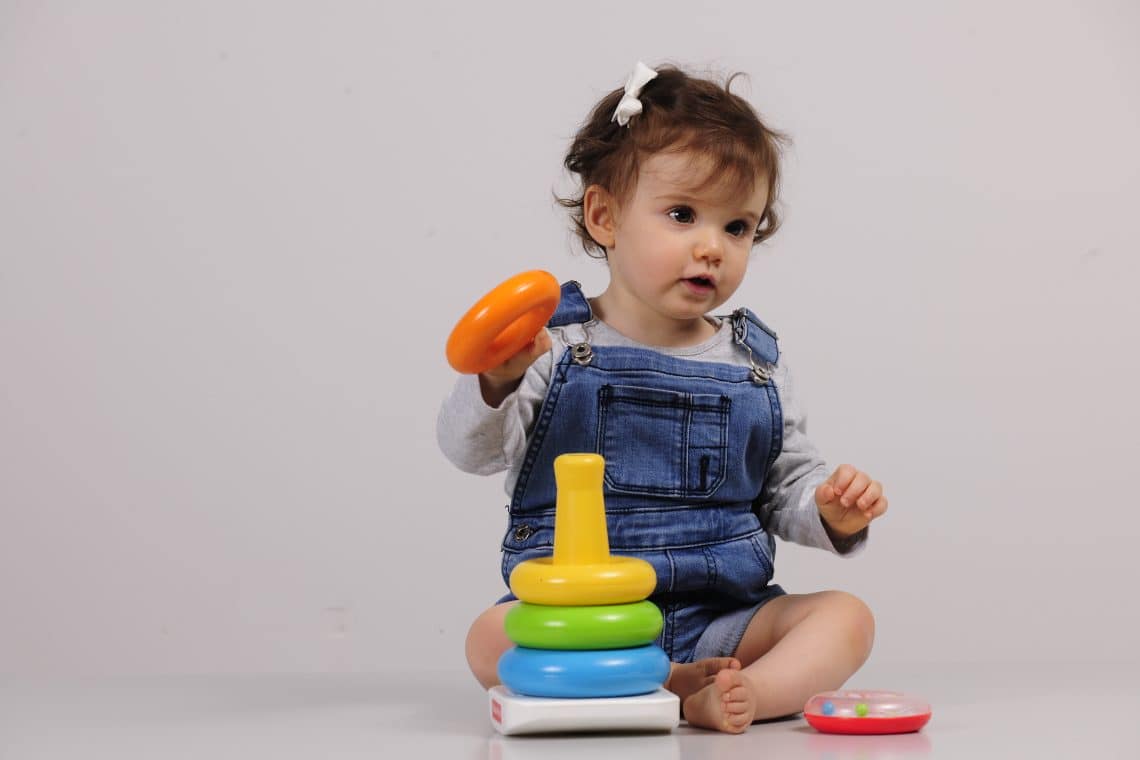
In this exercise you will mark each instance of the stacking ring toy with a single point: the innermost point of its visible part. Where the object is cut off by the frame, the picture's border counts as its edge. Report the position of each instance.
(582, 571)
(866, 712)
(612, 626)
(619, 580)
(584, 673)
(503, 322)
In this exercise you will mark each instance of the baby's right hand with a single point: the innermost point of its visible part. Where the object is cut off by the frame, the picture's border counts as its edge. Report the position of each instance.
(499, 382)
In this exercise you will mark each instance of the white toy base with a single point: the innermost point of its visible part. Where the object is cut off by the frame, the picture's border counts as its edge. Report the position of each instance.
(515, 714)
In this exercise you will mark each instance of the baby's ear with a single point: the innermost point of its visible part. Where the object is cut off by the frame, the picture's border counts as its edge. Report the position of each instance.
(599, 213)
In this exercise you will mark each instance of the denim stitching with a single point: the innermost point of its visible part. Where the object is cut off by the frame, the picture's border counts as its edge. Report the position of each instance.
(686, 432)
(761, 556)
(777, 426)
(694, 545)
(712, 577)
(557, 382)
(744, 375)
(603, 414)
(685, 404)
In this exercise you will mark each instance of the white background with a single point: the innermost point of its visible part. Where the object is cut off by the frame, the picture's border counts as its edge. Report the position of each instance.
(235, 235)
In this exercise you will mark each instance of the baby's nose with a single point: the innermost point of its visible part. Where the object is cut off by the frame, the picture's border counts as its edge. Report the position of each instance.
(708, 249)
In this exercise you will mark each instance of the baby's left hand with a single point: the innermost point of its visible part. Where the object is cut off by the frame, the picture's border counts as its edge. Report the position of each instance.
(849, 500)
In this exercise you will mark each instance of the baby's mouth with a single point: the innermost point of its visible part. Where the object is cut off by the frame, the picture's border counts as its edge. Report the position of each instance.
(700, 282)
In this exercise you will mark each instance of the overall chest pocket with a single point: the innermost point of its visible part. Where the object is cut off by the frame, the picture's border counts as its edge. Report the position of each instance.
(661, 442)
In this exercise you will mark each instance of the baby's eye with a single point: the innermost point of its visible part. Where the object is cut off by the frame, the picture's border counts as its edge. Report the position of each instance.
(739, 228)
(682, 214)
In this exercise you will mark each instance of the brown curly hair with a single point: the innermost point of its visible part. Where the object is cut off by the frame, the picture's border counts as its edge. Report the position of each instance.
(682, 113)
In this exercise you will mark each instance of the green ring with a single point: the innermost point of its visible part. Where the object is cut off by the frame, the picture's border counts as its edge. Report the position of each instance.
(607, 626)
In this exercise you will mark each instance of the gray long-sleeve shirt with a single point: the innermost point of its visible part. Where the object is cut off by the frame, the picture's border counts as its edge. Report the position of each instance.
(484, 440)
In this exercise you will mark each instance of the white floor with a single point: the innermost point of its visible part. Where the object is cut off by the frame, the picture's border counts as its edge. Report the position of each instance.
(980, 711)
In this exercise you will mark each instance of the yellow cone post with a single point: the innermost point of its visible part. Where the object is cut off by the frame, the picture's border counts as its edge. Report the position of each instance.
(582, 570)
(580, 536)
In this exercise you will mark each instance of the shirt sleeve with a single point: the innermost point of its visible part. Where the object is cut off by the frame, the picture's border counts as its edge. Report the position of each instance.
(787, 502)
(482, 439)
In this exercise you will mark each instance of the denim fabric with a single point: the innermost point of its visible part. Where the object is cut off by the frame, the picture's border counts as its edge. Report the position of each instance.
(723, 635)
(687, 445)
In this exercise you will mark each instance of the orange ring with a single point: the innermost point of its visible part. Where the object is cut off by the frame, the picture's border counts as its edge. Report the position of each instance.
(503, 322)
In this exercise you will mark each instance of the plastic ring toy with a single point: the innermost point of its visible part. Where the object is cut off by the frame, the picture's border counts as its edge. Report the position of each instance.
(866, 712)
(611, 626)
(619, 580)
(503, 322)
(584, 673)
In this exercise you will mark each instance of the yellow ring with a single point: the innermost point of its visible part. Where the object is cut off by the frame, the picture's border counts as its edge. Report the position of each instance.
(621, 580)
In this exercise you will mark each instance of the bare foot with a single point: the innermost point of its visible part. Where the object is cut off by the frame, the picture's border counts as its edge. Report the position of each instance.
(727, 704)
(686, 679)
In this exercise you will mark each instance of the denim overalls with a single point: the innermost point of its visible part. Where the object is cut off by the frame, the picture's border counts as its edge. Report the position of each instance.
(687, 445)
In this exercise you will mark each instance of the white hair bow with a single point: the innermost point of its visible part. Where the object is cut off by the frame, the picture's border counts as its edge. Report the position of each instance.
(630, 105)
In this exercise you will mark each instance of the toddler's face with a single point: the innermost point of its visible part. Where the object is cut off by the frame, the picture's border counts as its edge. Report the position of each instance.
(679, 251)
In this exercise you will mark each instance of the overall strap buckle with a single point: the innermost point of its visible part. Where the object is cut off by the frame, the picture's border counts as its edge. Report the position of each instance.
(761, 373)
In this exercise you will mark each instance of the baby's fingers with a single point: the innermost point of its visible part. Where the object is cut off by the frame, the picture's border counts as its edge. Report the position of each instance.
(516, 366)
(541, 343)
(825, 494)
(870, 495)
(842, 477)
(531, 351)
(876, 510)
(856, 490)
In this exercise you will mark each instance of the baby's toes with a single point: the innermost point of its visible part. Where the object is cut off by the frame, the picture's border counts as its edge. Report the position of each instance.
(739, 702)
(713, 665)
(736, 700)
(736, 722)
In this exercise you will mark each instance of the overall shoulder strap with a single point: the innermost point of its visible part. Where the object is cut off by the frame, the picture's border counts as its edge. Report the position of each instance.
(761, 340)
(573, 308)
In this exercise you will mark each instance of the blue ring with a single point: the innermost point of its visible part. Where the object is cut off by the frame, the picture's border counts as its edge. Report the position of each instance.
(584, 673)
